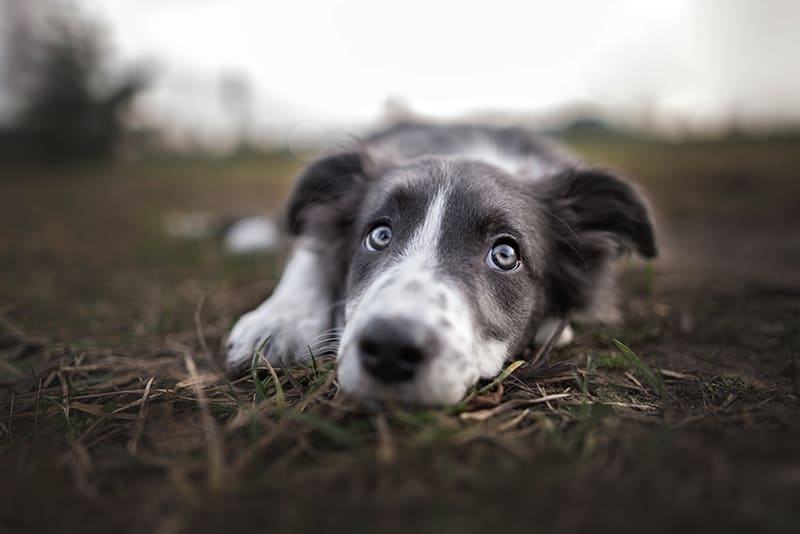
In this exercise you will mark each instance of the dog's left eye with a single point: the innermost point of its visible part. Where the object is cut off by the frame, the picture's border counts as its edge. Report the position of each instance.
(503, 256)
(378, 238)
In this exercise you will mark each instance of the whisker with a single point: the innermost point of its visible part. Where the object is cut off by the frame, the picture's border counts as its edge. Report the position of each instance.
(326, 349)
(329, 337)
(334, 330)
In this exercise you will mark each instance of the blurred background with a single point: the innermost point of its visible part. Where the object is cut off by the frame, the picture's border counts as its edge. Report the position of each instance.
(92, 78)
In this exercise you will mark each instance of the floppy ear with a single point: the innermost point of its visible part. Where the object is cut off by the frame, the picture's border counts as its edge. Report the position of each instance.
(327, 195)
(593, 218)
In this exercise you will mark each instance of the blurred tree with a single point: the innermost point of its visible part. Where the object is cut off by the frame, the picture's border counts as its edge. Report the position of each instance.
(69, 106)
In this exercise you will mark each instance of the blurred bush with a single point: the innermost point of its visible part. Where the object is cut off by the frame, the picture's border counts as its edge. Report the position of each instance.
(69, 105)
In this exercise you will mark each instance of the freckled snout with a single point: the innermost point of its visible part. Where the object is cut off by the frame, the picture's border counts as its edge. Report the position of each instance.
(392, 350)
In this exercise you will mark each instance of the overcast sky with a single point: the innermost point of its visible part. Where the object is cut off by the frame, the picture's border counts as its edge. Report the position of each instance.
(338, 61)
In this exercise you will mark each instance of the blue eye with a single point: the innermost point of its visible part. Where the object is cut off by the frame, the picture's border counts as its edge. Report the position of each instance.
(378, 238)
(503, 256)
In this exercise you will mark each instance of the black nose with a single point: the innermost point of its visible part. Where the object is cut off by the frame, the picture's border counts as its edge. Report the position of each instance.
(392, 350)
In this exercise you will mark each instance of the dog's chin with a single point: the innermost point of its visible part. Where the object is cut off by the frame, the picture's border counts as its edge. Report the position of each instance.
(436, 385)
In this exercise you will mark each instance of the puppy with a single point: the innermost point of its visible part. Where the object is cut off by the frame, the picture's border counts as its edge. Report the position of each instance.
(430, 254)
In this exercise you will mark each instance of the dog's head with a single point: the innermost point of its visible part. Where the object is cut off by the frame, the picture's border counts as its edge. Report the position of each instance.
(454, 263)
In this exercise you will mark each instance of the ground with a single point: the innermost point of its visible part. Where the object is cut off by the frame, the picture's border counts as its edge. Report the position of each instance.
(114, 415)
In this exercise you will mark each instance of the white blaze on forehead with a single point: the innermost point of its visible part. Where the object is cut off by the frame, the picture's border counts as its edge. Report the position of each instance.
(425, 240)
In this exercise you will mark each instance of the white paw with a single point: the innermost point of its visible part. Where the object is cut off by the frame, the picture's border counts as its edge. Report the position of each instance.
(289, 328)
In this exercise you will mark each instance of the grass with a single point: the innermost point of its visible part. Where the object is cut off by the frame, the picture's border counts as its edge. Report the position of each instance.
(116, 415)
(653, 379)
(97, 395)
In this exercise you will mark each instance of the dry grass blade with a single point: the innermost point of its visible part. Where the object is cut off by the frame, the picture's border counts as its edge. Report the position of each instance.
(214, 451)
(91, 409)
(514, 421)
(117, 414)
(387, 451)
(198, 324)
(280, 398)
(261, 391)
(513, 366)
(138, 428)
(64, 395)
(633, 379)
(482, 415)
(635, 406)
(676, 375)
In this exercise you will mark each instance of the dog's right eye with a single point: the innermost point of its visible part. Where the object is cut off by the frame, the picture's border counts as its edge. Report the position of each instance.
(378, 238)
(503, 256)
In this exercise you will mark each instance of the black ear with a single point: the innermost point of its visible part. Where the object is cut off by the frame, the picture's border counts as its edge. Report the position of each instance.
(593, 218)
(327, 195)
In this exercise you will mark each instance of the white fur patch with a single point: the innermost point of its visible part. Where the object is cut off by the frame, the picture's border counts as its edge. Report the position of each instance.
(515, 165)
(296, 313)
(490, 153)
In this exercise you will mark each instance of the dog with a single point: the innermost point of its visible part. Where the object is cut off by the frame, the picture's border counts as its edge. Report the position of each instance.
(429, 254)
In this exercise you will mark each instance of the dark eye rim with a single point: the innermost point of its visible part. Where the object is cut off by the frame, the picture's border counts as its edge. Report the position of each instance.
(371, 228)
(504, 240)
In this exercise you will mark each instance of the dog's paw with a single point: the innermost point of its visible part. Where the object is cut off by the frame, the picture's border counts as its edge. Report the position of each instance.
(282, 332)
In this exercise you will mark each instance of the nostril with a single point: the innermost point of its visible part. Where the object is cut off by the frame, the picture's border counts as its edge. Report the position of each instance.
(411, 355)
(368, 347)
